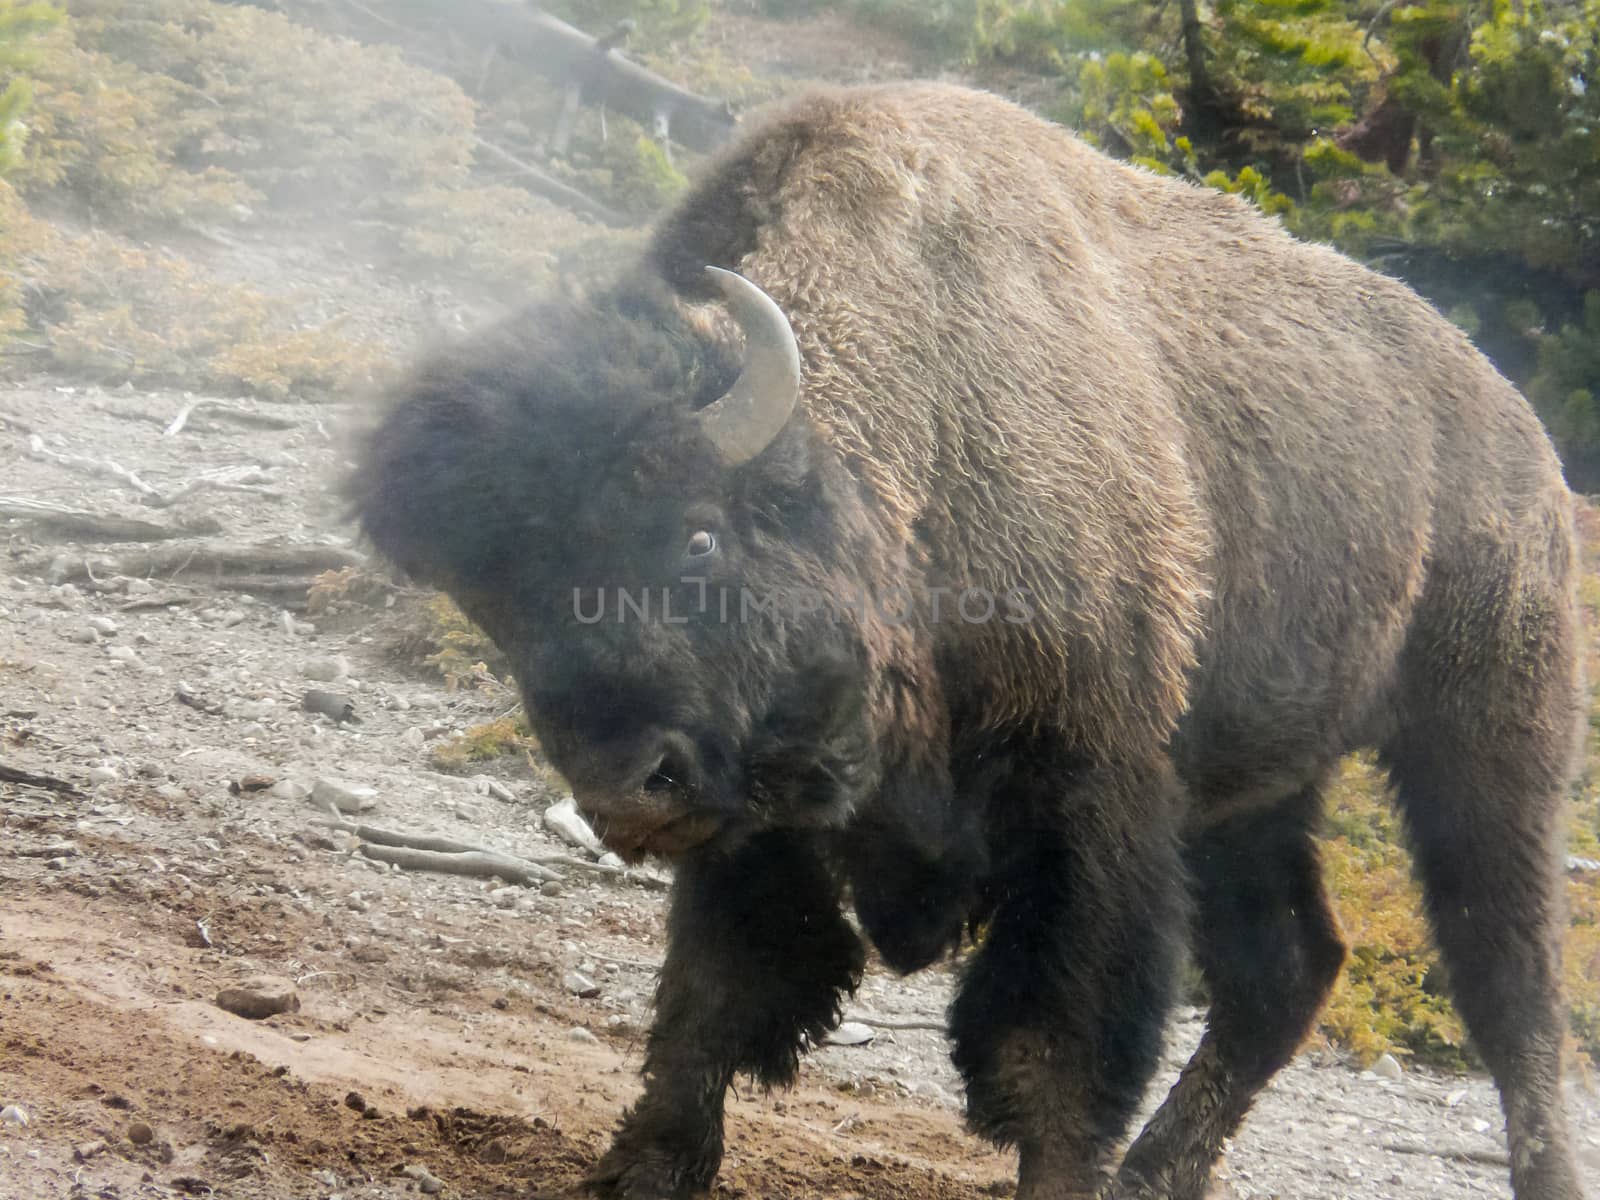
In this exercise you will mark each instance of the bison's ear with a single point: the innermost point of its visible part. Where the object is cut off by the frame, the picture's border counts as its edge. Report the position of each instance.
(424, 486)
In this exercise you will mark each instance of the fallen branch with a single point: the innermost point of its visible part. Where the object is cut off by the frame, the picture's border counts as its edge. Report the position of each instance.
(1486, 1158)
(894, 1023)
(539, 180)
(94, 466)
(475, 863)
(77, 525)
(568, 56)
(230, 479)
(221, 560)
(29, 779)
(430, 844)
(164, 600)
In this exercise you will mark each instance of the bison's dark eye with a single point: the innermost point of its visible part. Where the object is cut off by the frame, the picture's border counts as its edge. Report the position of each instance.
(701, 543)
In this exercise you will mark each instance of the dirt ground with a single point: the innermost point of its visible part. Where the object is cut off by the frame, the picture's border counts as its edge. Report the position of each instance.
(442, 1002)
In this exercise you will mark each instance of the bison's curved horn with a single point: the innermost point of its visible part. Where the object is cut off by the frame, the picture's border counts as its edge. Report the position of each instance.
(745, 420)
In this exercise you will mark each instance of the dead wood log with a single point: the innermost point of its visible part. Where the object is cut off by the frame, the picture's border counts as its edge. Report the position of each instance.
(72, 524)
(29, 779)
(477, 864)
(261, 566)
(429, 843)
(568, 56)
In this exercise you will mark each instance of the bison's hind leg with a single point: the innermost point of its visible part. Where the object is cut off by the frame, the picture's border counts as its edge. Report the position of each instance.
(1269, 947)
(1481, 770)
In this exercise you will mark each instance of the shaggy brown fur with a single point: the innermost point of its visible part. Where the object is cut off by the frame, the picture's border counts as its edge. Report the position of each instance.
(1268, 506)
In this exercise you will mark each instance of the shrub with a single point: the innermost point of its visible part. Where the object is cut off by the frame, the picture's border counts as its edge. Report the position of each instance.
(100, 307)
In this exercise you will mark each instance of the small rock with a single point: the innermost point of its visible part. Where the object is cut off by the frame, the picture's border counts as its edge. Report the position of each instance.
(347, 798)
(104, 626)
(325, 669)
(563, 819)
(505, 897)
(258, 998)
(171, 792)
(13, 1114)
(84, 637)
(579, 1034)
(580, 985)
(102, 774)
(356, 1101)
(84, 1151)
(290, 789)
(1479, 1125)
(231, 618)
(330, 704)
(550, 887)
(427, 1182)
(141, 1134)
(139, 587)
(49, 850)
(414, 738)
(851, 1033)
(1388, 1067)
(122, 654)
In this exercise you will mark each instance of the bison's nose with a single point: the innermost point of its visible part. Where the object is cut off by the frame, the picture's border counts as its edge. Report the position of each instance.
(675, 766)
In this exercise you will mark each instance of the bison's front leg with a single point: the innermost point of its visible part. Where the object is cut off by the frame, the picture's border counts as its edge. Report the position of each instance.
(758, 959)
(1058, 1024)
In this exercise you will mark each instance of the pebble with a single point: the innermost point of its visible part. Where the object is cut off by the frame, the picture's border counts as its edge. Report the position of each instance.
(139, 587)
(505, 897)
(12, 1114)
(290, 789)
(102, 774)
(580, 985)
(103, 625)
(1388, 1067)
(414, 738)
(84, 637)
(325, 669)
(579, 1034)
(231, 618)
(347, 798)
(550, 887)
(171, 792)
(123, 654)
(851, 1033)
(260, 997)
(141, 1134)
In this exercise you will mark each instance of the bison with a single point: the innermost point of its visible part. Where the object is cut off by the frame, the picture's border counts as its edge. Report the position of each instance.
(945, 519)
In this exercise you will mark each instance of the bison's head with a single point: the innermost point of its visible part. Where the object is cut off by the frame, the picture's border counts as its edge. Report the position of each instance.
(623, 498)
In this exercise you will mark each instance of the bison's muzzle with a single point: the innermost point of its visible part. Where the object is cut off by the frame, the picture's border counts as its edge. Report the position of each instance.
(651, 809)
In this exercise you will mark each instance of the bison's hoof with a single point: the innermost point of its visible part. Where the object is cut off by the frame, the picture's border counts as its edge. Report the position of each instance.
(650, 1175)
